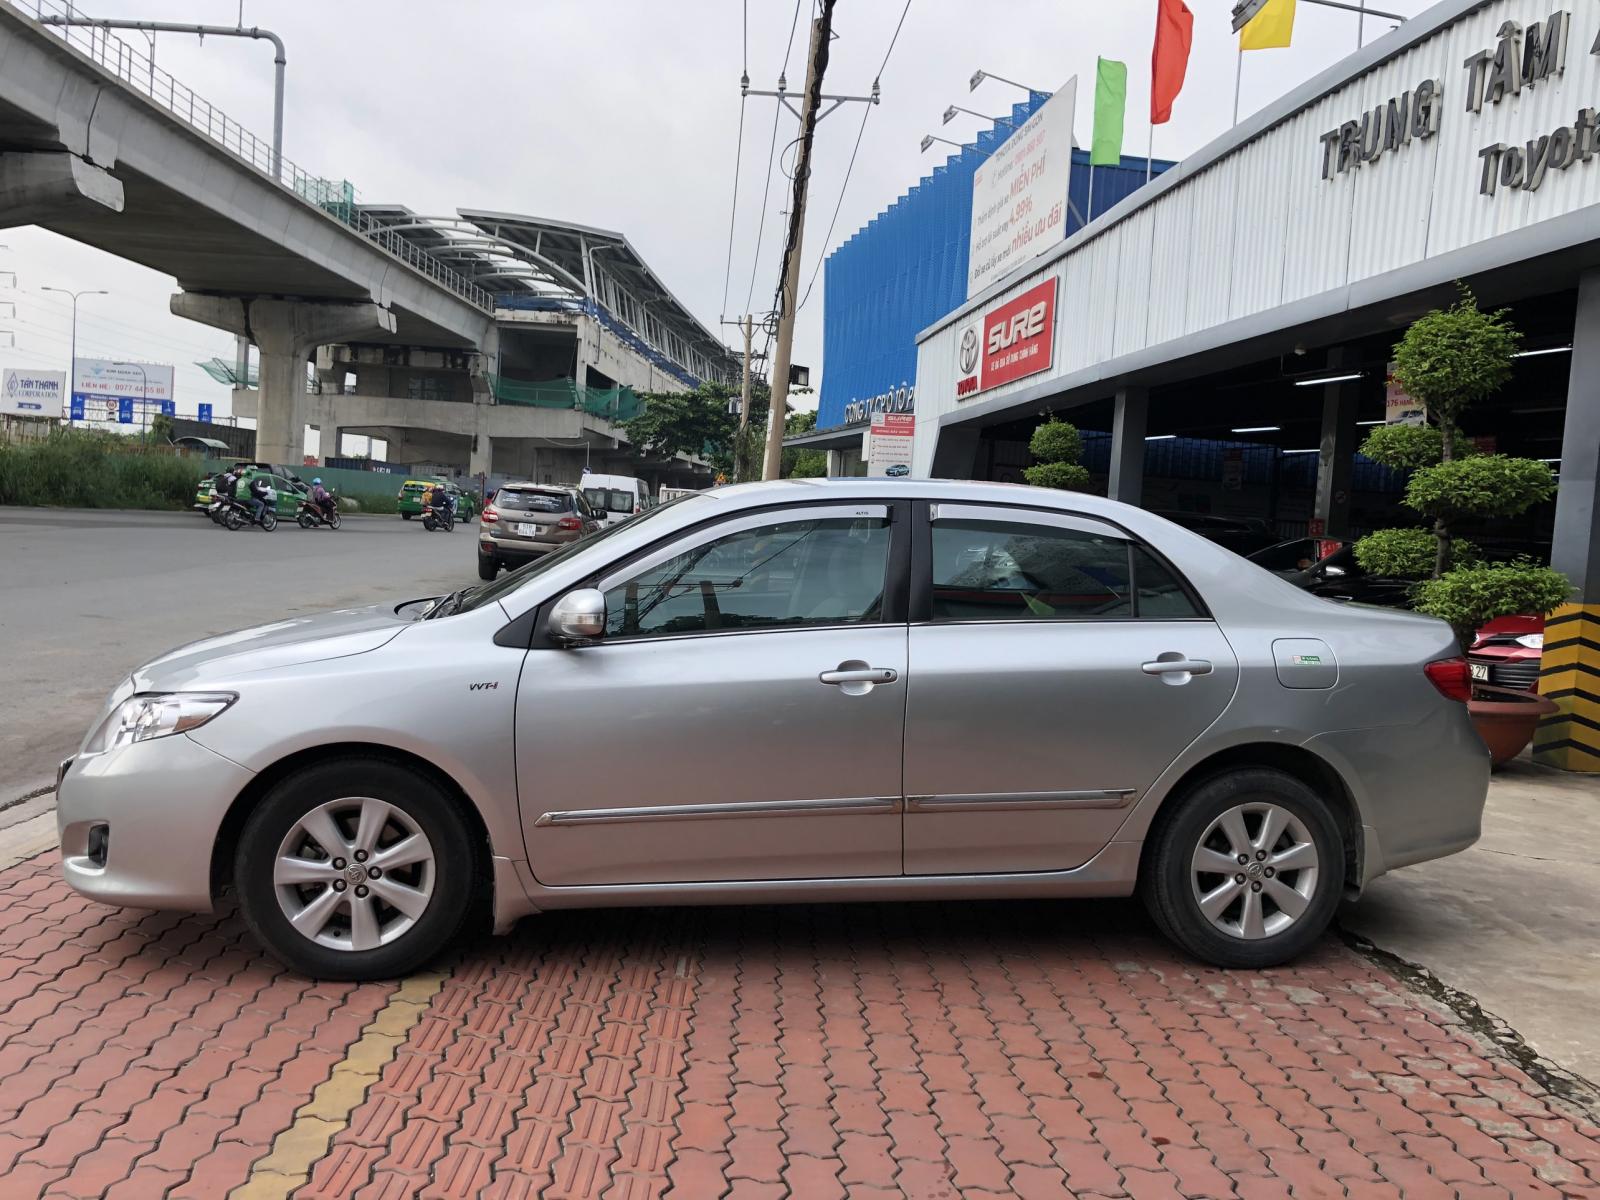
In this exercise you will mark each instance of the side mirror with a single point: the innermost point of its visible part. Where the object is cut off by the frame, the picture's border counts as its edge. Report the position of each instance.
(1333, 572)
(579, 617)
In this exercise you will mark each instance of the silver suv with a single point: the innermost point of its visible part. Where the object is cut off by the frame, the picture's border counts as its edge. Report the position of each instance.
(809, 690)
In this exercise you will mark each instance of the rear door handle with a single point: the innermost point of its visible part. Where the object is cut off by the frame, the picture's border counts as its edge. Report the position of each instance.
(862, 675)
(1190, 666)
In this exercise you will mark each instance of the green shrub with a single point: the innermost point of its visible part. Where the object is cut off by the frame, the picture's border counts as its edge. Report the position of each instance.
(84, 469)
(1453, 357)
(1409, 553)
(1468, 597)
(1056, 442)
(1070, 477)
(1407, 447)
(1489, 485)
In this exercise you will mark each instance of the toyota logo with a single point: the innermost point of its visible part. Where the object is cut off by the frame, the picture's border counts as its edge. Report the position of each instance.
(969, 349)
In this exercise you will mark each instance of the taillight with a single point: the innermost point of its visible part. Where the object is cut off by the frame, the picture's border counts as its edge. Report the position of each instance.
(489, 514)
(570, 523)
(1452, 677)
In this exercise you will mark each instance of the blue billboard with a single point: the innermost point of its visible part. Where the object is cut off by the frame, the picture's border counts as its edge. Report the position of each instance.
(907, 267)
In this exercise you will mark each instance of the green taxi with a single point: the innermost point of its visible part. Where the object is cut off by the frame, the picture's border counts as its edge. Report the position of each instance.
(414, 491)
(290, 490)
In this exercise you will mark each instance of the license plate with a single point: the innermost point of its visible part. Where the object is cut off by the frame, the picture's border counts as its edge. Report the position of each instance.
(526, 530)
(1480, 671)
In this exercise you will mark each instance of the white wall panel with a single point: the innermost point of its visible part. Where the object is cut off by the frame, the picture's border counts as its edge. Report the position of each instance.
(1259, 227)
(1213, 230)
(1169, 267)
(1131, 252)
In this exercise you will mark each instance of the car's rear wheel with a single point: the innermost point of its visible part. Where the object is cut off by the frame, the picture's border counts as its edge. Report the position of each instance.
(1247, 869)
(359, 869)
(407, 516)
(488, 568)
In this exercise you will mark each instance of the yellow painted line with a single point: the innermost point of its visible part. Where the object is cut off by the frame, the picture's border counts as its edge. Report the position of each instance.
(296, 1150)
(25, 839)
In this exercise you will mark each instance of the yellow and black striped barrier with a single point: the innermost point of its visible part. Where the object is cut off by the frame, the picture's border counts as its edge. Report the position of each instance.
(1569, 674)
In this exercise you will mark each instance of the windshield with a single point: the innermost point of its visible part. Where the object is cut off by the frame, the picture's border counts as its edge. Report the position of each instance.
(510, 582)
(528, 500)
(610, 499)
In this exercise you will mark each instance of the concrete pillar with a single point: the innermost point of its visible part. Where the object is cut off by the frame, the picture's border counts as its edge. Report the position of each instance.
(1336, 459)
(1128, 424)
(285, 333)
(1570, 667)
(835, 466)
(480, 462)
(36, 186)
(955, 453)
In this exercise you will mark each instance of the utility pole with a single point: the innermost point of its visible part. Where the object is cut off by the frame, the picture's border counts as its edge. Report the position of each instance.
(72, 354)
(741, 458)
(821, 35)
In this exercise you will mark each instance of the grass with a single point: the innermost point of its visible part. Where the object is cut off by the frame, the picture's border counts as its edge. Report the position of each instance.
(76, 468)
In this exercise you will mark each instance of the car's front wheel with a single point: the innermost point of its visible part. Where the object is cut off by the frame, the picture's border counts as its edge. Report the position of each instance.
(359, 869)
(1247, 870)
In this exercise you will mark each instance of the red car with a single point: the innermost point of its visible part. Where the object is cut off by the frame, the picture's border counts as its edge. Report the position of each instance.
(1506, 652)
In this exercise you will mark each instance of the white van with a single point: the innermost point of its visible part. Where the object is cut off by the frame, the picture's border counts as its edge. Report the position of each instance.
(615, 498)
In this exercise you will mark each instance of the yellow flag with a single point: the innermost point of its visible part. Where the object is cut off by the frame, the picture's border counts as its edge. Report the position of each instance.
(1269, 29)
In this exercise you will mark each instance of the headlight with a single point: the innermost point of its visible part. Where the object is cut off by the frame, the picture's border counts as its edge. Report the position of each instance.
(1533, 641)
(154, 715)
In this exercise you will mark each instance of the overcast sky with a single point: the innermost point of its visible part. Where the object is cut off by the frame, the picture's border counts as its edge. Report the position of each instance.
(624, 114)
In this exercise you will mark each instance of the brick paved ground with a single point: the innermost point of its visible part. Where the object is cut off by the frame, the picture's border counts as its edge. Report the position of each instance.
(924, 1051)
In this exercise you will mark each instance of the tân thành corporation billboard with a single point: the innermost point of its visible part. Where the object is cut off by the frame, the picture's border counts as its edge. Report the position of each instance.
(1019, 194)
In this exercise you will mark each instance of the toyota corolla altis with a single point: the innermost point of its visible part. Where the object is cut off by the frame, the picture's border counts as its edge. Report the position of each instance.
(801, 691)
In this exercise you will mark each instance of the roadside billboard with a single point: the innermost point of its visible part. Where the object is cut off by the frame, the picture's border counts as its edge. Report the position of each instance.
(100, 379)
(1019, 195)
(32, 393)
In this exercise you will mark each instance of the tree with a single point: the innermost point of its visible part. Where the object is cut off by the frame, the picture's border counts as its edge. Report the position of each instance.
(161, 427)
(1450, 359)
(1057, 445)
(803, 464)
(695, 423)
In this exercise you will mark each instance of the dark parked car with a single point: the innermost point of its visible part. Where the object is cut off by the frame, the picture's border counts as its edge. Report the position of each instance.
(1327, 567)
(1242, 535)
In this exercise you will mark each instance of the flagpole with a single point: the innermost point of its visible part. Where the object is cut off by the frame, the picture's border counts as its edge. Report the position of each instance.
(1091, 188)
(1150, 155)
(1238, 78)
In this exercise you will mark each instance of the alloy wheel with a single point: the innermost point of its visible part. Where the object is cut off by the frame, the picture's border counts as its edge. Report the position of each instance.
(1254, 872)
(354, 874)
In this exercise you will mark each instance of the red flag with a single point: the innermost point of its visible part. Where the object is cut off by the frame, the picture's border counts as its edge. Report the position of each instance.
(1169, 61)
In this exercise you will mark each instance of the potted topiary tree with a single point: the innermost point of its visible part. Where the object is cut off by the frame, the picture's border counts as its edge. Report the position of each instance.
(1448, 360)
(1057, 446)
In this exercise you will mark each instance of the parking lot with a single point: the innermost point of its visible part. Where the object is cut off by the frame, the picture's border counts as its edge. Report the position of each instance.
(939, 1050)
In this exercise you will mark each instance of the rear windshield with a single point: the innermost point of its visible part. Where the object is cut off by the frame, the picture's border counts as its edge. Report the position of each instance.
(611, 499)
(523, 500)
(417, 487)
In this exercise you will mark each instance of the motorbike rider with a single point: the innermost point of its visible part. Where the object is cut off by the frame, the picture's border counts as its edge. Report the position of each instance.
(322, 499)
(225, 484)
(441, 500)
(257, 496)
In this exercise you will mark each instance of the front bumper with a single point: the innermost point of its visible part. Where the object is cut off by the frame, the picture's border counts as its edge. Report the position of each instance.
(161, 804)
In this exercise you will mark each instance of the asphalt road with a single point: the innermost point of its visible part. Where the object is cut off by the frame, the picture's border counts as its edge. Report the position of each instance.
(85, 596)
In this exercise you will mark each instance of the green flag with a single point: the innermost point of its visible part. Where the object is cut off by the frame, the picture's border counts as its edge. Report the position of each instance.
(1110, 101)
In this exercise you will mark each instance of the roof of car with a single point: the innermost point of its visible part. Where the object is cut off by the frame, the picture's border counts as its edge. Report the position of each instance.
(538, 487)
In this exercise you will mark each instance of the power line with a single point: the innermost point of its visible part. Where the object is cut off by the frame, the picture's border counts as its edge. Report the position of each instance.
(772, 147)
(738, 160)
(866, 112)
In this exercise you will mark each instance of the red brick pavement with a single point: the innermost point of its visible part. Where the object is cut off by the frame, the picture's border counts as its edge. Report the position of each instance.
(989, 1050)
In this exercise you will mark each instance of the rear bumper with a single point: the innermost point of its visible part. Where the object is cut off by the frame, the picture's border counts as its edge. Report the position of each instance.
(1419, 789)
(518, 547)
(161, 804)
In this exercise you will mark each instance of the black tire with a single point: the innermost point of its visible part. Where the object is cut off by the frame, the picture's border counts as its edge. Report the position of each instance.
(269, 521)
(407, 516)
(333, 520)
(232, 520)
(414, 794)
(428, 522)
(1166, 883)
(488, 568)
(305, 520)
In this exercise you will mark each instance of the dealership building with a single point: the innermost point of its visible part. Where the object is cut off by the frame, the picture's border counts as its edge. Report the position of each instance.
(1222, 334)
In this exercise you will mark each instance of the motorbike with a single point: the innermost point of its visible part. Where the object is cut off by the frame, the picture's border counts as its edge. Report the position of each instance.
(234, 515)
(310, 516)
(438, 518)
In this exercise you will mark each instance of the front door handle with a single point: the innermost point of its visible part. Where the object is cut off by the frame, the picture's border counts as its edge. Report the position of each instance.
(863, 675)
(1176, 666)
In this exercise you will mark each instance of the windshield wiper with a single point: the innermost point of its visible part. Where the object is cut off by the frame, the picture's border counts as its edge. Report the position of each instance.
(449, 605)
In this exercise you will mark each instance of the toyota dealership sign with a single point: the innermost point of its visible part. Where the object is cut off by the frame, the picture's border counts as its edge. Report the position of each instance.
(1008, 342)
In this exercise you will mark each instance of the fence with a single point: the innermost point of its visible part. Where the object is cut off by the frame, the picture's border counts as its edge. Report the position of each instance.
(614, 404)
(336, 198)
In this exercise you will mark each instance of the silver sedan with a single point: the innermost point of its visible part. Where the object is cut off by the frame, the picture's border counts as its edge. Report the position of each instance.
(800, 691)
